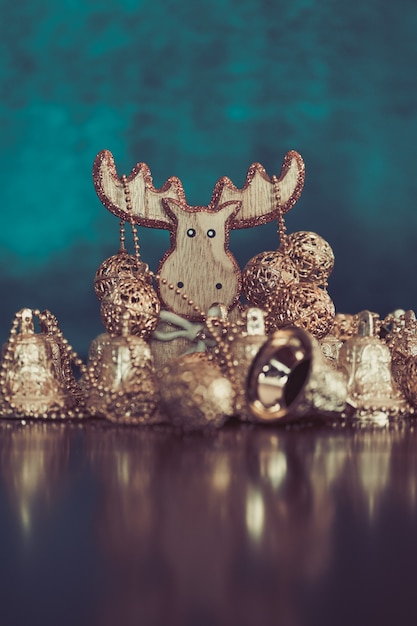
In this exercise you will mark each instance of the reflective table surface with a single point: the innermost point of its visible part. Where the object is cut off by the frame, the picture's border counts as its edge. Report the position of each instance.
(249, 525)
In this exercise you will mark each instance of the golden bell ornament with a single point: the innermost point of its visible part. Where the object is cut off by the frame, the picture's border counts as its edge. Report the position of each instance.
(312, 256)
(372, 393)
(120, 380)
(304, 305)
(289, 379)
(119, 264)
(137, 297)
(34, 377)
(265, 274)
(194, 392)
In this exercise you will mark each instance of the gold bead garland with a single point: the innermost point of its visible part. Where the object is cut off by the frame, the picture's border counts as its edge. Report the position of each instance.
(237, 346)
(122, 262)
(268, 272)
(119, 380)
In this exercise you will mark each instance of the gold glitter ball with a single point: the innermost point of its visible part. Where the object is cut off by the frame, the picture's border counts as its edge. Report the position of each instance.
(312, 256)
(304, 305)
(194, 392)
(265, 274)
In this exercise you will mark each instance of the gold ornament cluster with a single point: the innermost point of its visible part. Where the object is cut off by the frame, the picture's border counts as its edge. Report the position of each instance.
(281, 355)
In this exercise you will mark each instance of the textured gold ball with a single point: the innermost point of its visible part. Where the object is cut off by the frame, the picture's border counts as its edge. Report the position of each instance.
(115, 266)
(304, 305)
(265, 274)
(194, 392)
(312, 256)
(137, 298)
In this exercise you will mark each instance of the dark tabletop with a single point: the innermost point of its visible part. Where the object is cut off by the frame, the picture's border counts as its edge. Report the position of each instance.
(249, 525)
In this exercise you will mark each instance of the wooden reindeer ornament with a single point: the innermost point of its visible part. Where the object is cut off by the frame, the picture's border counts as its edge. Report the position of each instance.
(199, 261)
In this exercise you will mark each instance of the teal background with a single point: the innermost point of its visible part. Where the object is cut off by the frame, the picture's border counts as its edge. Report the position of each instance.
(200, 90)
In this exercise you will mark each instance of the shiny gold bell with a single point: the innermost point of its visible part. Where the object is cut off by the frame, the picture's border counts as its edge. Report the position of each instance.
(34, 377)
(372, 392)
(119, 381)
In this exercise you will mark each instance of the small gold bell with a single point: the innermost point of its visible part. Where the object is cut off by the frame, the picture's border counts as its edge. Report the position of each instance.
(372, 392)
(119, 381)
(33, 375)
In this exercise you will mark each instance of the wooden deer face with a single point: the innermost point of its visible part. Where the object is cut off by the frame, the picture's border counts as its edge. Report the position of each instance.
(199, 262)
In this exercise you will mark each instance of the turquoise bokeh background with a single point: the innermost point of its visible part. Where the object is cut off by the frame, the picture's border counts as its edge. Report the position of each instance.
(200, 90)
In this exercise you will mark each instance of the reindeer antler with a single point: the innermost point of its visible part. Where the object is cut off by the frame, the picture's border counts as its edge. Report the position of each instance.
(145, 198)
(259, 193)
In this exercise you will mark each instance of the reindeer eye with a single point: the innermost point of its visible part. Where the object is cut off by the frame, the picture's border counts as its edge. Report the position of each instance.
(191, 232)
(211, 233)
